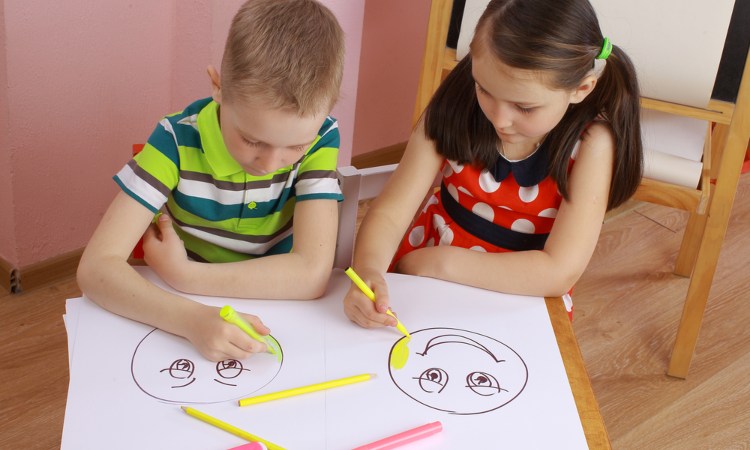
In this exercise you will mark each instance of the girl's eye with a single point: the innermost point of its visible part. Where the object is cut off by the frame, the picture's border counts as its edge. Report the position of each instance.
(524, 110)
(480, 89)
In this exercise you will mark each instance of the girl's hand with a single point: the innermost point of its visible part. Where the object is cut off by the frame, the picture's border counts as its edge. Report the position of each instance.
(363, 311)
(164, 251)
(218, 340)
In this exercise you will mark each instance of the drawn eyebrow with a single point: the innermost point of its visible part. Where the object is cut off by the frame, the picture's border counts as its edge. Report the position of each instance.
(457, 339)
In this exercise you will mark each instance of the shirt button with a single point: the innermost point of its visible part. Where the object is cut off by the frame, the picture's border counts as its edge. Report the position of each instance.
(252, 205)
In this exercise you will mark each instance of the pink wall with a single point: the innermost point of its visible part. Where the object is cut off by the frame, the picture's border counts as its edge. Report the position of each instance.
(7, 213)
(87, 79)
(392, 47)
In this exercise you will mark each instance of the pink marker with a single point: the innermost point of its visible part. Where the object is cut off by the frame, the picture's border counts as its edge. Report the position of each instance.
(251, 446)
(403, 438)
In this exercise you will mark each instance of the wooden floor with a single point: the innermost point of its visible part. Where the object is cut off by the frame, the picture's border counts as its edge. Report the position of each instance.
(626, 310)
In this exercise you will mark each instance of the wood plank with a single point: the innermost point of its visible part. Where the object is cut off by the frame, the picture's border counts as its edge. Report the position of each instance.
(580, 384)
(50, 270)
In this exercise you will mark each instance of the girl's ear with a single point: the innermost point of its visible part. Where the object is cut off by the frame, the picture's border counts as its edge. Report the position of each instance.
(583, 89)
(213, 74)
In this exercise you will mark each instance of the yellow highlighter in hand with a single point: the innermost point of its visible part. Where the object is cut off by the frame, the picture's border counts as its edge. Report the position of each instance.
(371, 295)
(230, 315)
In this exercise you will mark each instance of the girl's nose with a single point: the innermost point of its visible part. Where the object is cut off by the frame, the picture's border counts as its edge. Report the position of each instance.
(501, 116)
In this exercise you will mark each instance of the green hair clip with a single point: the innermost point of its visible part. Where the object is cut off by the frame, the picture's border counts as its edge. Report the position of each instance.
(606, 49)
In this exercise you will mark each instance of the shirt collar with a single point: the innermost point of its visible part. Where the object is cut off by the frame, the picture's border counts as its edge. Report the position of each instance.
(214, 148)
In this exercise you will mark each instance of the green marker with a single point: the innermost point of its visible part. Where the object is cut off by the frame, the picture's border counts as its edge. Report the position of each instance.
(230, 315)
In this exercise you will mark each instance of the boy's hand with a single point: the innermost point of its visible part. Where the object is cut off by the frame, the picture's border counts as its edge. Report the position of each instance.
(218, 340)
(164, 251)
(363, 311)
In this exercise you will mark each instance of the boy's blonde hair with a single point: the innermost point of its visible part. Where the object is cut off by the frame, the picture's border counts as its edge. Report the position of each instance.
(284, 53)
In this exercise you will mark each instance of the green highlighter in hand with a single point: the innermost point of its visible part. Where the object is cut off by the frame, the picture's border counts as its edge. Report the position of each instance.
(230, 315)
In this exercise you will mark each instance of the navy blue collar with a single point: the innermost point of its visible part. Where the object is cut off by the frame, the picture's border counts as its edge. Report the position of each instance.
(527, 172)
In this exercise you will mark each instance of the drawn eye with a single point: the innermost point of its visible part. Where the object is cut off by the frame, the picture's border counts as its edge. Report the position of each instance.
(180, 369)
(483, 383)
(433, 380)
(229, 368)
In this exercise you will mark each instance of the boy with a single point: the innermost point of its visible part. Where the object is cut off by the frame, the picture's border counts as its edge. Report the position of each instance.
(229, 172)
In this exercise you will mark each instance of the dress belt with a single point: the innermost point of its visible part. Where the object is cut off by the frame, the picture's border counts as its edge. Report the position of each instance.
(487, 231)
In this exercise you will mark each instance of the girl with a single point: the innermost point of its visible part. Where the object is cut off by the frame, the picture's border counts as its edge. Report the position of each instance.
(536, 133)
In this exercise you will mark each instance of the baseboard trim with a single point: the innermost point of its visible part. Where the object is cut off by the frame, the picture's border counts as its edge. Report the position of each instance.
(8, 276)
(47, 271)
(380, 157)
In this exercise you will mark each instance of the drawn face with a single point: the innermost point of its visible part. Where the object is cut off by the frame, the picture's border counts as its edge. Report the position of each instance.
(168, 368)
(459, 371)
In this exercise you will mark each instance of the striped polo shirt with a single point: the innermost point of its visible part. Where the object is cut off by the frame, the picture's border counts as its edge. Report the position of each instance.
(221, 212)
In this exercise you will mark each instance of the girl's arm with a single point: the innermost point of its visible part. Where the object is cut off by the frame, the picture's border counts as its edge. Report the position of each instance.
(385, 223)
(301, 274)
(105, 277)
(555, 269)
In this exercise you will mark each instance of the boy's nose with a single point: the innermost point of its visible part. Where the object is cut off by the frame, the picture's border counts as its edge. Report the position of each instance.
(270, 160)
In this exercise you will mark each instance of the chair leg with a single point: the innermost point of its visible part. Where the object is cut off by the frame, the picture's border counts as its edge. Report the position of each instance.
(690, 242)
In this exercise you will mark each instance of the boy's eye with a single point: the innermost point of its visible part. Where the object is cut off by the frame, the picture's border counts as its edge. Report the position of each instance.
(250, 143)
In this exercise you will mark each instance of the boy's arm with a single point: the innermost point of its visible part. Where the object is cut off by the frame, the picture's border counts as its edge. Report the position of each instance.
(302, 274)
(106, 278)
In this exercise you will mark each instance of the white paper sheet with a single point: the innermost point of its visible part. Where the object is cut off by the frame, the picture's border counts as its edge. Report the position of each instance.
(523, 402)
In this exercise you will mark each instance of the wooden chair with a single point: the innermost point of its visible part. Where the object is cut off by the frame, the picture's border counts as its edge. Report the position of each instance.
(356, 185)
(681, 32)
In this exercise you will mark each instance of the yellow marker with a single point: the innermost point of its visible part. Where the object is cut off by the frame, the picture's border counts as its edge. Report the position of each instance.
(305, 389)
(230, 315)
(229, 428)
(371, 295)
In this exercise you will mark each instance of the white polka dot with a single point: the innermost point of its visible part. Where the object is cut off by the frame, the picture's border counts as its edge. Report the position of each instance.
(523, 226)
(456, 166)
(453, 191)
(484, 211)
(506, 207)
(431, 201)
(487, 182)
(446, 236)
(438, 221)
(463, 190)
(478, 248)
(528, 194)
(447, 170)
(549, 212)
(416, 236)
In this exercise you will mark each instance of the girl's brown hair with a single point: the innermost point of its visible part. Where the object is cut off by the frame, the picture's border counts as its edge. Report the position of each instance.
(560, 40)
(285, 53)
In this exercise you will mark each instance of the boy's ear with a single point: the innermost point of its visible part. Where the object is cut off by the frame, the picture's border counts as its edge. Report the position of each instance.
(213, 74)
(583, 89)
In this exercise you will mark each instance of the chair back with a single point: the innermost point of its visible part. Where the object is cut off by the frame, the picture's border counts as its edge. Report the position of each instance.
(356, 185)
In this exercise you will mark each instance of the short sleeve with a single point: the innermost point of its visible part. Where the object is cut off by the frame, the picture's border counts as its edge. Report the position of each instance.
(317, 178)
(154, 172)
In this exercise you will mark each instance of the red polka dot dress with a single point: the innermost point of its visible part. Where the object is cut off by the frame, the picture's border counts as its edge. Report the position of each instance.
(508, 207)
